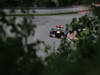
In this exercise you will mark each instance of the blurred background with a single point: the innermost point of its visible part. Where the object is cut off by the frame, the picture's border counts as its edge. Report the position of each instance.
(27, 49)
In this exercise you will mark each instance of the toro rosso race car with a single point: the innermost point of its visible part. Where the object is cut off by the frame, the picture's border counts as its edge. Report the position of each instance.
(57, 32)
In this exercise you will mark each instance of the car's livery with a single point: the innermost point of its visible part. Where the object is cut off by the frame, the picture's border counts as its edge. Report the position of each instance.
(57, 32)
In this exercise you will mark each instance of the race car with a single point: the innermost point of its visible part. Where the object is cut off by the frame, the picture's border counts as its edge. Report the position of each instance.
(57, 32)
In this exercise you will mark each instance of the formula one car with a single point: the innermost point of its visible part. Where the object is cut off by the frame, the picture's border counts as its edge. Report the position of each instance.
(57, 33)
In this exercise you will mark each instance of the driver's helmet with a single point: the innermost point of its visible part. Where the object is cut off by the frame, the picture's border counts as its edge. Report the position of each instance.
(60, 26)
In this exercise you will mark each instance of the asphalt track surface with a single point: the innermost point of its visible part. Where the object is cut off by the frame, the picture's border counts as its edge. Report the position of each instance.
(45, 23)
(49, 18)
(45, 19)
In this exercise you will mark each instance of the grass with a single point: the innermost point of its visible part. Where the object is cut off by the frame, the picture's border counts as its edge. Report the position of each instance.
(48, 14)
(51, 14)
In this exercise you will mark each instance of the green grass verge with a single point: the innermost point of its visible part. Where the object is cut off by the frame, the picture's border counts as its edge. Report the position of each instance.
(48, 14)
(51, 14)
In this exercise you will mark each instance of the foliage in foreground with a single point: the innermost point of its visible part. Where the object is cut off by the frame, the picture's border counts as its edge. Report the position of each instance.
(80, 57)
(17, 56)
